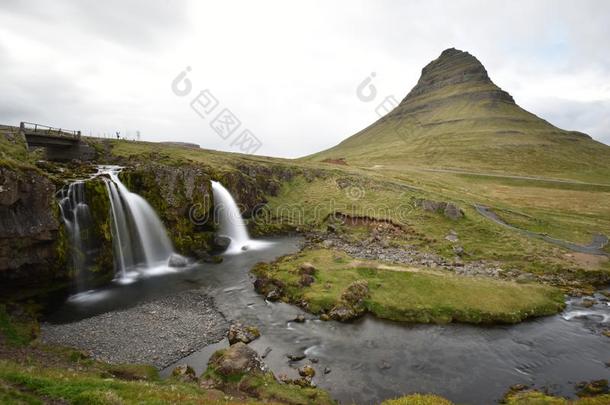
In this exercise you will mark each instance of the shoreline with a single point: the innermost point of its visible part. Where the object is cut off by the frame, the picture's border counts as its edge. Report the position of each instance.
(159, 332)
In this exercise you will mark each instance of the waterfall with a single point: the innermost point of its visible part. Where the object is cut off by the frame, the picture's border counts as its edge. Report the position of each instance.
(77, 219)
(229, 217)
(231, 223)
(140, 241)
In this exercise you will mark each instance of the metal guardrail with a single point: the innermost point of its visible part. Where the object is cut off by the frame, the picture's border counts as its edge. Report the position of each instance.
(49, 131)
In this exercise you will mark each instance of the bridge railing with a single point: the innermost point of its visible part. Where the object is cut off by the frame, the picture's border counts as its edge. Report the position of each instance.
(49, 131)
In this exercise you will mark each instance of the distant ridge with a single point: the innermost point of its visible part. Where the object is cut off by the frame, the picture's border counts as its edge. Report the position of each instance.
(456, 117)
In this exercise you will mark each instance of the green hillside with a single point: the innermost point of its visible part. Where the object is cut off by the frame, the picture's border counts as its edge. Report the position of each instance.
(457, 118)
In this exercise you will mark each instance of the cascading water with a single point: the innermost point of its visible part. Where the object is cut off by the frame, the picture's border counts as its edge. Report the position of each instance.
(231, 223)
(77, 219)
(140, 241)
(229, 217)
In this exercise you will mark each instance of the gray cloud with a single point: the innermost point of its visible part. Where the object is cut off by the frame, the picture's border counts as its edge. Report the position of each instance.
(288, 70)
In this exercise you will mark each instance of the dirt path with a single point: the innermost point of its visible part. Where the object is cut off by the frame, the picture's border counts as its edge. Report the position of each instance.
(516, 177)
(594, 248)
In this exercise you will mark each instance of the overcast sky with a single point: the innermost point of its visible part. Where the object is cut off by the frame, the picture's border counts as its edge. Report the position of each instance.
(287, 70)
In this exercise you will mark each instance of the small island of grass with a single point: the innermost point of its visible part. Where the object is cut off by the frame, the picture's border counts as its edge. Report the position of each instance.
(336, 286)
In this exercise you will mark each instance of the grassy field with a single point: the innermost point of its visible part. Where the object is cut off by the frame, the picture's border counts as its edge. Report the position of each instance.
(566, 210)
(411, 294)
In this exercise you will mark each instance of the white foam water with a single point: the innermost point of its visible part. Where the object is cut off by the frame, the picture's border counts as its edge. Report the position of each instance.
(232, 224)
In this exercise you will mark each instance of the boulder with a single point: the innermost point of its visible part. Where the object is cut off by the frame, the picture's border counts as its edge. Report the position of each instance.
(351, 304)
(242, 333)
(306, 280)
(175, 260)
(342, 312)
(453, 212)
(450, 210)
(184, 373)
(299, 319)
(356, 292)
(307, 268)
(273, 295)
(221, 242)
(296, 356)
(307, 371)
(238, 359)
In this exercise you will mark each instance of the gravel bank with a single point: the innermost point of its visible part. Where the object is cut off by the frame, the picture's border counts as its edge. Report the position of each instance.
(158, 332)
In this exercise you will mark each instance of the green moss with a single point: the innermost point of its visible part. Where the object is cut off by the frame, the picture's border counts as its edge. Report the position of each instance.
(101, 233)
(418, 399)
(16, 332)
(267, 388)
(539, 398)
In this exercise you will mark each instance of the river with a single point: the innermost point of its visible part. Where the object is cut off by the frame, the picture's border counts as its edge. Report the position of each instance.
(371, 360)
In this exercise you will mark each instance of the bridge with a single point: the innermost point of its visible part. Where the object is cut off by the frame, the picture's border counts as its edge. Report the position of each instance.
(59, 143)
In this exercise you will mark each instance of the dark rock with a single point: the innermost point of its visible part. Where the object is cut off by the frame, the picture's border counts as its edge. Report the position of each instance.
(175, 260)
(235, 360)
(242, 333)
(458, 250)
(266, 352)
(296, 356)
(184, 373)
(518, 387)
(273, 295)
(592, 388)
(221, 242)
(343, 313)
(450, 210)
(306, 280)
(327, 370)
(29, 228)
(307, 371)
(261, 284)
(300, 318)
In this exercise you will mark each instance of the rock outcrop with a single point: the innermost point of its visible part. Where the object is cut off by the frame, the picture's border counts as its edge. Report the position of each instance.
(30, 243)
(182, 196)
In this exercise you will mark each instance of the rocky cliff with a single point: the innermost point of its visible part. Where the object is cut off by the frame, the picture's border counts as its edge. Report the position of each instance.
(31, 246)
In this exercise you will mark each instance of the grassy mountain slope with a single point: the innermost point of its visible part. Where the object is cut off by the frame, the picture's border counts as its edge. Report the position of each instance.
(457, 118)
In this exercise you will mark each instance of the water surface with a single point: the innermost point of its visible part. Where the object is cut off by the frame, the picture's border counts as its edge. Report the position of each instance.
(371, 360)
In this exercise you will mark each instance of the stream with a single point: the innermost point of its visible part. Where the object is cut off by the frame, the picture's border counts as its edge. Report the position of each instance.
(371, 360)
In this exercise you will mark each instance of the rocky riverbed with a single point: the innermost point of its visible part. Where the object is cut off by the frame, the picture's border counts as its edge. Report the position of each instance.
(157, 332)
(379, 247)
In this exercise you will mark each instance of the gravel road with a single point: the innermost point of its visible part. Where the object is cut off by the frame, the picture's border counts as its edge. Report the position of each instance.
(158, 332)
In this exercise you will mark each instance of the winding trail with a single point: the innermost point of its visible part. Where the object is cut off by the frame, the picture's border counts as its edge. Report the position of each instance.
(594, 248)
(514, 177)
